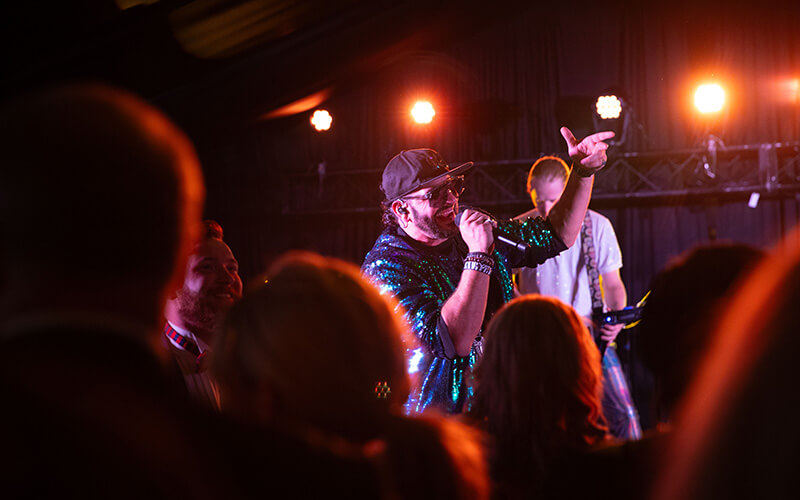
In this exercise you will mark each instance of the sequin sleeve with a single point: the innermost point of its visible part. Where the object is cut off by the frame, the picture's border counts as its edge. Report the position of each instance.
(407, 278)
(421, 281)
(539, 234)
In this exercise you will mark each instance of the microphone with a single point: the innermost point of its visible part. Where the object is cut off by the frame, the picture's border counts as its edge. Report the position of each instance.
(499, 236)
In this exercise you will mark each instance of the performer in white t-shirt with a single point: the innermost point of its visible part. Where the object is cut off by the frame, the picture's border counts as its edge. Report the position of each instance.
(566, 277)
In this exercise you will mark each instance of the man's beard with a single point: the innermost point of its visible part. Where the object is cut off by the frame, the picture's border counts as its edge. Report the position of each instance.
(431, 227)
(198, 312)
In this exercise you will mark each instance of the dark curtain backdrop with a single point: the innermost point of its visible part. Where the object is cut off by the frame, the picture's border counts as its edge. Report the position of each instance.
(501, 93)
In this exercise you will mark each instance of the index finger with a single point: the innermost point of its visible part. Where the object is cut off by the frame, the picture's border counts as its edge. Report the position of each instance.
(601, 136)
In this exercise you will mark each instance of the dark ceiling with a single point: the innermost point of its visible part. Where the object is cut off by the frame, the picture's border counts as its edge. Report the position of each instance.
(220, 64)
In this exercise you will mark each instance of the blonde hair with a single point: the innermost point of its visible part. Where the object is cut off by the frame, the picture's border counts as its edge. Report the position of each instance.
(547, 168)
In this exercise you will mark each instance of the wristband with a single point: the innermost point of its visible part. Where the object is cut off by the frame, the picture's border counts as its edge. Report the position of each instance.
(471, 265)
(583, 171)
(480, 257)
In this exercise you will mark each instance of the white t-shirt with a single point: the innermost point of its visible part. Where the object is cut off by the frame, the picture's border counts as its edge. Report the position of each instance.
(565, 277)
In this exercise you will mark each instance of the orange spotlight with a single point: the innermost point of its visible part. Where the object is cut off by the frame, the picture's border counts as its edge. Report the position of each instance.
(709, 98)
(423, 112)
(791, 90)
(321, 120)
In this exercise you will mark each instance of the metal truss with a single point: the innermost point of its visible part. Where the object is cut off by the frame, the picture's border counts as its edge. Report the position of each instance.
(638, 177)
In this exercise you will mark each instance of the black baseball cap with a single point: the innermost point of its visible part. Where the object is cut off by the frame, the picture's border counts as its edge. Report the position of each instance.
(414, 169)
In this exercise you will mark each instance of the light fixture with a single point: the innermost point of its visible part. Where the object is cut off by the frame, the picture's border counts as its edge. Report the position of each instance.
(608, 107)
(321, 120)
(612, 112)
(423, 112)
(709, 98)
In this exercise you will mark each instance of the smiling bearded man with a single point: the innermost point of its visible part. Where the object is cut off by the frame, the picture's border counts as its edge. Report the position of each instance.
(196, 311)
(440, 225)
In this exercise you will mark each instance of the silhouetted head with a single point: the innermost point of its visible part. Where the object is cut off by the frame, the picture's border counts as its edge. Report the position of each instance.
(317, 346)
(538, 386)
(684, 302)
(735, 432)
(101, 196)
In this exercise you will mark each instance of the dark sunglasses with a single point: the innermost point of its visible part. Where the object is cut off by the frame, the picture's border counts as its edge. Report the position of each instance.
(439, 196)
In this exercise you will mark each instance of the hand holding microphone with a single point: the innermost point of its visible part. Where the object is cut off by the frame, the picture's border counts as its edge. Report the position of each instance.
(476, 230)
(520, 248)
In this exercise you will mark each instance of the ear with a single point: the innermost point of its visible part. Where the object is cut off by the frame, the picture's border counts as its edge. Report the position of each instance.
(401, 212)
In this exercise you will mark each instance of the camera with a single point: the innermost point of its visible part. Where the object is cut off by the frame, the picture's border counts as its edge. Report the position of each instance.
(625, 316)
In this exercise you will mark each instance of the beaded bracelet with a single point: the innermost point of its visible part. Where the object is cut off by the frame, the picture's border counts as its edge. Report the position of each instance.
(471, 265)
(485, 264)
(481, 257)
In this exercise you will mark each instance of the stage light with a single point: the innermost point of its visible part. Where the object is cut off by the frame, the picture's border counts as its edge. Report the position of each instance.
(608, 107)
(321, 120)
(709, 98)
(791, 90)
(423, 112)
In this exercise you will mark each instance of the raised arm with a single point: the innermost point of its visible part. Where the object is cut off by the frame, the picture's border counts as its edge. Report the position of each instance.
(588, 156)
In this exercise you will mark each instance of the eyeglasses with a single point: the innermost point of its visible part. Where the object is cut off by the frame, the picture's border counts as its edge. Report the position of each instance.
(440, 195)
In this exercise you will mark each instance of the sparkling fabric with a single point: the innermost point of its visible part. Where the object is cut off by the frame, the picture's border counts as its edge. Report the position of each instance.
(566, 276)
(422, 278)
(621, 414)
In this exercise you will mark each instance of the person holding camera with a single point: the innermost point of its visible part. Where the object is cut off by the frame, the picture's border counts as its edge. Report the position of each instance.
(585, 276)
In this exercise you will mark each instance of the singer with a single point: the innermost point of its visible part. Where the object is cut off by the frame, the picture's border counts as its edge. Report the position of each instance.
(450, 278)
